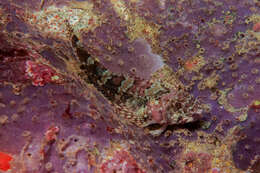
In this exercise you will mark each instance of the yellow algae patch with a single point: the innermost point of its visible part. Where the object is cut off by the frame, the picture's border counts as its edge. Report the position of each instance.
(223, 100)
(60, 21)
(167, 78)
(137, 26)
(209, 82)
(256, 104)
(220, 152)
(244, 45)
(134, 1)
(114, 146)
(254, 19)
(121, 9)
(212, 80)
(3, 18)
(255, 34)
(141, 28)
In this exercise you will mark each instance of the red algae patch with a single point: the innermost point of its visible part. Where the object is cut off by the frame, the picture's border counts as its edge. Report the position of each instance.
(4, 161)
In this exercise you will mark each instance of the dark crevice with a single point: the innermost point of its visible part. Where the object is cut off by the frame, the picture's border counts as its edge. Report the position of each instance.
(95, 71)
(13, 52)
(155, 126)
(83, 55)
(192, 126)
(74, 41)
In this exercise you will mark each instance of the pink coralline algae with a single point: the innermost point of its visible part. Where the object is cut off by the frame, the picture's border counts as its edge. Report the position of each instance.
(121, 161)
(256, 27)
(216, 170)
(51, 133)
(129, 86)
(197, 162)
(40, 74)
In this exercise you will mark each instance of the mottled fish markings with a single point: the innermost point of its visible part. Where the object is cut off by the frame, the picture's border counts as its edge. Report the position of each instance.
(154, 104)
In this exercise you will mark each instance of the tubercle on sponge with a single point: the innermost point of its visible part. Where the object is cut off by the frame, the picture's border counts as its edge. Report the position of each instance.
(152, 103)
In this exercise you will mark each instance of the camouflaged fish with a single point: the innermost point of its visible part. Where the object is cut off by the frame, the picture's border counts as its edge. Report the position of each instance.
(154, 103)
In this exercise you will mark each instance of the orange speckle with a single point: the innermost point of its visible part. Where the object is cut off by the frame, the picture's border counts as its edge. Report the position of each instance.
(4, 161)
(189, 65)
(91, 21)
(145, 31)
(194, 64)
(190, 164)
(256, 27)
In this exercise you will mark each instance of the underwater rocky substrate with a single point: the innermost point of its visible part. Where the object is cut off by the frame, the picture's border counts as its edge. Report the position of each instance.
(129, 86)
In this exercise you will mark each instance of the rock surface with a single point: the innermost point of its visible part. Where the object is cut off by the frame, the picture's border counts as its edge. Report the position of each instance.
(130, 86)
